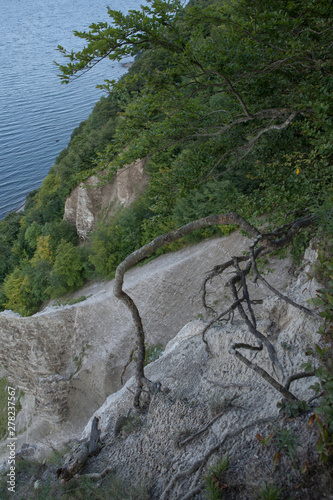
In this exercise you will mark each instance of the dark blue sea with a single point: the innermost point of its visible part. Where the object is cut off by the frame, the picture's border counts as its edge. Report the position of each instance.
(37, 112)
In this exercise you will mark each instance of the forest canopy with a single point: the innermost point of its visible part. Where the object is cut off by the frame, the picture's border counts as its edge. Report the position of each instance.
(230, 102)
(225, 79)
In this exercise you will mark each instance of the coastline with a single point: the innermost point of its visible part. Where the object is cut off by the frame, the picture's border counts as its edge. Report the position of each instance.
(19, 209)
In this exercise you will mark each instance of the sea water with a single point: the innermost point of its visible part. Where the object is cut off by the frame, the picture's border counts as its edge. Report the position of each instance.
(37, 112)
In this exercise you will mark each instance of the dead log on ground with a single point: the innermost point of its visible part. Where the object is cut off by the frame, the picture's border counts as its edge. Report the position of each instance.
(77, 460)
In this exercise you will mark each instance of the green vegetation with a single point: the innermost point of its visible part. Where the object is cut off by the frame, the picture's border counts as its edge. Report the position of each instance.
(213, 481)
(35, 481)
(269, 492)
(230, 102)
(287, 442)
(152, 353)
(291, 409)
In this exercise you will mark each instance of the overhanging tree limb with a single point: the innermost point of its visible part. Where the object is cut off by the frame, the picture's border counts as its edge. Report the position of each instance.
(268, 243)
(142, 253)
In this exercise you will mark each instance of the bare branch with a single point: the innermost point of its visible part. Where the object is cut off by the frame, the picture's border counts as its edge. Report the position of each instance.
(142, 253)
(233, 350)
(199, 463)
(297, 376)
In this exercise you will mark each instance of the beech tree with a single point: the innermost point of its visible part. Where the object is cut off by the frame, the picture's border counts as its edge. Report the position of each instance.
(230, 77)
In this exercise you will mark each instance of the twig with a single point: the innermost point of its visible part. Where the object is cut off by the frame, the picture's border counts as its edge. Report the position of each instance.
(297, 376)
(199, 463)
(203, 429)
(95, 475)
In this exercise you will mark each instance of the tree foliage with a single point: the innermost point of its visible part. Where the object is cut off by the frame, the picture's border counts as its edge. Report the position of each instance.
(229, 101)
(238, 74)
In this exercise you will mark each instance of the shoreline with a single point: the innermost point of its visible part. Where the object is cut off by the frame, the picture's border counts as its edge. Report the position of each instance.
(19, 209)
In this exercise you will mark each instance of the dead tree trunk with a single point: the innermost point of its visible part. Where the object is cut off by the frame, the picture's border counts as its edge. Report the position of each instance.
(77, 460)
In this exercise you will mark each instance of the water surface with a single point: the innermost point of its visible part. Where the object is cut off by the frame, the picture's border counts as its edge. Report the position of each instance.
(37, 112)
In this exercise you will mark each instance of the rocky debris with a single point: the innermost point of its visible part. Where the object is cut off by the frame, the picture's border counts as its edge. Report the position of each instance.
(216, 392)
(196, 387)
(88, 201)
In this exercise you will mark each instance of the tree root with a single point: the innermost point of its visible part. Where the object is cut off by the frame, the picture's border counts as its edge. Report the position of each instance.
(276, 239)
(199, 464)
(297, 376)
(142, 253)
(269, 242)
(206, 427)
(95, 475)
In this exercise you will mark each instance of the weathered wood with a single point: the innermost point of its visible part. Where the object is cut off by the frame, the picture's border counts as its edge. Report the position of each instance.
(75, 463)
(95, 440)
(79, 457)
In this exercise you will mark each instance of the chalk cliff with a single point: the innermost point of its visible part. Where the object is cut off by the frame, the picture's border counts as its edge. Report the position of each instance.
(89, 200)
(68, 360)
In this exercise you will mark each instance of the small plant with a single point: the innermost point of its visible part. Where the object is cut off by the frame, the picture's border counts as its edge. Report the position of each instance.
(79, 359)
(292, 409)
(227, 230)
(214, 485)
(263, 441)
(153, 352)
(285, 346)
(125, 425)
(269, 492)
(287, 442)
